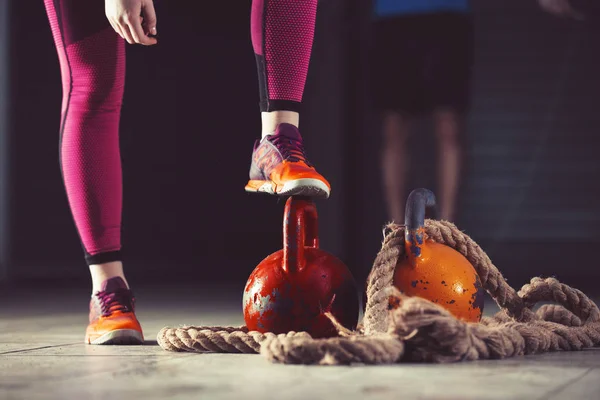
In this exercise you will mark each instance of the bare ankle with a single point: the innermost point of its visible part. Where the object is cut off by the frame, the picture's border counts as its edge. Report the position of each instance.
(270, 120)
(102, 272)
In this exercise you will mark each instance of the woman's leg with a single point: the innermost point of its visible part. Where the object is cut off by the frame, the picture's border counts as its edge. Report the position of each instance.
(282, 38)
(92, 61)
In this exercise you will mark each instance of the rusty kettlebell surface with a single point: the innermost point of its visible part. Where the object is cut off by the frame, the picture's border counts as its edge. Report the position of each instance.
(292, 289)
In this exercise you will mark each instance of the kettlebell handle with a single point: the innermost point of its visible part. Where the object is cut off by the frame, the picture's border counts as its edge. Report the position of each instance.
(419, 202)
(300, 230)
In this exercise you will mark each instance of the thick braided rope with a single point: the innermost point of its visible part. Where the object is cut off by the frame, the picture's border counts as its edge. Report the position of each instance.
(293, 347)
(439, 337)
(217, 339)
(380, 279)
(418, 330)
(377, 349)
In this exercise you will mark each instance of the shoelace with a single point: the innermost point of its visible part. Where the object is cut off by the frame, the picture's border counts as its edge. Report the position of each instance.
(119, 300)
(291, 149)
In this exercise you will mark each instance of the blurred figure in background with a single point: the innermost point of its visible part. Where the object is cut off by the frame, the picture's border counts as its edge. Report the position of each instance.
(422, 67)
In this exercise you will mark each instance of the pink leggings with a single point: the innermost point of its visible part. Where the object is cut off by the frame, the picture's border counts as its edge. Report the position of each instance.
(92, 61)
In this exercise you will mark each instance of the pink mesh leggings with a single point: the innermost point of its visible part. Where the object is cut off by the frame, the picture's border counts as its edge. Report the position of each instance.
(282, 37)
(92, 61)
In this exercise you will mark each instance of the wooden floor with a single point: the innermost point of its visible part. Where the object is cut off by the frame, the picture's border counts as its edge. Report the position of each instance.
(42, 356)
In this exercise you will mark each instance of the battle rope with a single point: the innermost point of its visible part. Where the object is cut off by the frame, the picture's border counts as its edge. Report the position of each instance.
(415, 329)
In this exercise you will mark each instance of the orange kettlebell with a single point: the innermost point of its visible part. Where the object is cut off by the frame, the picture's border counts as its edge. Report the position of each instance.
(435, 271)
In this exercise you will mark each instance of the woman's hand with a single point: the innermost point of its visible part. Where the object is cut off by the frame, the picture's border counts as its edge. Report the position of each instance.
(133, 20)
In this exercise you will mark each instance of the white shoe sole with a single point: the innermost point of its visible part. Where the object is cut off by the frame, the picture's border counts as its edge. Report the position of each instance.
(308, 187)
(120, 336)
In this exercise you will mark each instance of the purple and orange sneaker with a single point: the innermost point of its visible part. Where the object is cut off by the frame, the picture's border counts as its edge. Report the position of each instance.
(279, 166)
(112, 316)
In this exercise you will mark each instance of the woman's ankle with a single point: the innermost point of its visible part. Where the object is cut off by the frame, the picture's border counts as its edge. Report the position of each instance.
(102, 272)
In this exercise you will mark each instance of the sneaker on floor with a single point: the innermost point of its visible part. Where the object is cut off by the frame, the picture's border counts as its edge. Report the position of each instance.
(112, 316)
(279, 167)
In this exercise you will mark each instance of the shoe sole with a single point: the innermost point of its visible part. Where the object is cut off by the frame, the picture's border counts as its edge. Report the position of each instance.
(308, 187)
(119, 337)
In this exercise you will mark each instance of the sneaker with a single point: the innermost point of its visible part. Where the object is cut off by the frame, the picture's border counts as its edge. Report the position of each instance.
(112, 316)
(279, 167)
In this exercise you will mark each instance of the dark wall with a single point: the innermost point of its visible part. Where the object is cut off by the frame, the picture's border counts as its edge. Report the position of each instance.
(4, 124)
(189, 122)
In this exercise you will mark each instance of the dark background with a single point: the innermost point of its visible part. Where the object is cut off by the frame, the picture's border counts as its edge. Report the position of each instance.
(190, 117)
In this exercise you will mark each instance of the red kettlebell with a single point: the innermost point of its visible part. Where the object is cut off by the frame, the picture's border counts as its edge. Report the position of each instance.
(293, 288)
